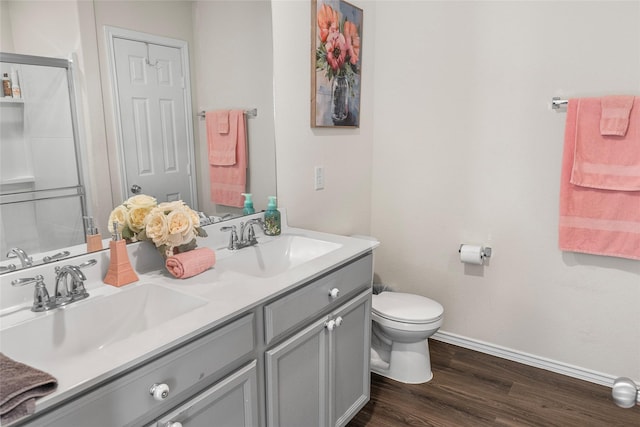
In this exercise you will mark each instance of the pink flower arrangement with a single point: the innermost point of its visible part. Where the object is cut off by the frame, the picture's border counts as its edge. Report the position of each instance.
(338, 52)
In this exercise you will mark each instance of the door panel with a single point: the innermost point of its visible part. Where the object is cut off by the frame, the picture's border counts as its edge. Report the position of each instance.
(153, 117)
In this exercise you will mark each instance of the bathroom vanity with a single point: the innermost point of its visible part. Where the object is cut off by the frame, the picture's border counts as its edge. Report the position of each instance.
(260, 347)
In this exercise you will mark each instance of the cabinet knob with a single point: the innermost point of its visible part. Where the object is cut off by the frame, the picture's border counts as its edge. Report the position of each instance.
(333, 293)
(330, 325)
(174, 424)
(338, 321)
(159, 392)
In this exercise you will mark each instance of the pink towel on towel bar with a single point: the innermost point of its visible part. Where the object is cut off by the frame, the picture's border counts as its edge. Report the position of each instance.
(228, 182)
(615, 114)
(595, 221)
(223, 122)
(601, 161)
(191, 263)
(222, 140)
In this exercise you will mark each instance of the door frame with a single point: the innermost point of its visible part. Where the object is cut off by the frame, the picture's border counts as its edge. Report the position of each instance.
(111, 33)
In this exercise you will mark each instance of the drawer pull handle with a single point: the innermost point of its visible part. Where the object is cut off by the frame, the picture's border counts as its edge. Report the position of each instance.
(333, 293)
(159, 392)
(330, 325)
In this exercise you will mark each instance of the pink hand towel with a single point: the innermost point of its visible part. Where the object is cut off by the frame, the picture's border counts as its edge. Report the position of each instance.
(222, 145)
(615, 115)
(228, 182)
(191, 263)
(605, 162)
(223, 122)
(592, 220)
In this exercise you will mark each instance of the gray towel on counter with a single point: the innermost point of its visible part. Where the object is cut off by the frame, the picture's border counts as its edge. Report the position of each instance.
(20, 385)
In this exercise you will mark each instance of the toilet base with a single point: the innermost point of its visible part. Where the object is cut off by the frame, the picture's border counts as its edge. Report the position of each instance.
(407, 363)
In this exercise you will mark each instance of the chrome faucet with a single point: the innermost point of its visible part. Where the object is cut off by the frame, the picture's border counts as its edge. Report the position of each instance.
(68, 293)
(64, 294)
(251, 233)
(25, 259)
(238, 241)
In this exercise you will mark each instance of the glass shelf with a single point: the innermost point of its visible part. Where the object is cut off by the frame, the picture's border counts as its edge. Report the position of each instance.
(9, 100)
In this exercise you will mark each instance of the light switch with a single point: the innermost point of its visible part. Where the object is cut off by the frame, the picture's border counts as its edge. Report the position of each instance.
(319, 178)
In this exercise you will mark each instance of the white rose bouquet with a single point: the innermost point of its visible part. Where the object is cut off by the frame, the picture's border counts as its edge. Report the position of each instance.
(131, 217)
(172, 226)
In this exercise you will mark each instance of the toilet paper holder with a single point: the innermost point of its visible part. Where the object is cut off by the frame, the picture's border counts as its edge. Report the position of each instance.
(485, 252)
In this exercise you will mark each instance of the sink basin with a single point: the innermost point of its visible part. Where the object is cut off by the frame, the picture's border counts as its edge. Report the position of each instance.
(91, 325)
(276, 256)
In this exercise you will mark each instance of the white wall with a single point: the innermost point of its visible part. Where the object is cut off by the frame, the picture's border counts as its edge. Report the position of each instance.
(467, 149)
(344, 206)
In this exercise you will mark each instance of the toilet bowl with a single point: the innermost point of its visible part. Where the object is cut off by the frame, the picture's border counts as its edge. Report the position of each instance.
(401, 324)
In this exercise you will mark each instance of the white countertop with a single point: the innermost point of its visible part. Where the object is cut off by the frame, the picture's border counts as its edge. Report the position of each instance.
(226, 295)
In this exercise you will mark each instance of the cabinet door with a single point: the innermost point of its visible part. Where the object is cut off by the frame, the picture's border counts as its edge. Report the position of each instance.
(232, 402)
(350, 357)
(297, 377)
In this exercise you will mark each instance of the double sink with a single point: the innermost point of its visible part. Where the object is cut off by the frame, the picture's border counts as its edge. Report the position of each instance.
(113, 316)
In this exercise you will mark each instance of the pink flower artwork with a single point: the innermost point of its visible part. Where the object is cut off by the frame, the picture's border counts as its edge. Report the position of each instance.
(336, 62)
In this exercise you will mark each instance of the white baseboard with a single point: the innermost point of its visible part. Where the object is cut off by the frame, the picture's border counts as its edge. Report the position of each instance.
(526, 358)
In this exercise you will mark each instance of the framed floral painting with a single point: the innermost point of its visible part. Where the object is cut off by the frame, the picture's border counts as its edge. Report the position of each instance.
(336, 48)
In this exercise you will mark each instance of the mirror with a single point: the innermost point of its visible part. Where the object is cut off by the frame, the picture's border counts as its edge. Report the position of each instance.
(230, 58)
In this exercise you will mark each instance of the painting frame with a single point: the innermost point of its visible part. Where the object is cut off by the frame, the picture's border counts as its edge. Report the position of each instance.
(336, 63)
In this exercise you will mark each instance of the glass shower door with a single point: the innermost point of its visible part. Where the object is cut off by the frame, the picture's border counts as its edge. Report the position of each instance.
(42, 193)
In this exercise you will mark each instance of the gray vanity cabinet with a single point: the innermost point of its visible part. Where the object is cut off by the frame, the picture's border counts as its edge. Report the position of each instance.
(320, 376)
(303, 356)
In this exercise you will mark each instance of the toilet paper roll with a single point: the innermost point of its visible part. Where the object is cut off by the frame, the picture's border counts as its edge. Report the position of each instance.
(471, 254)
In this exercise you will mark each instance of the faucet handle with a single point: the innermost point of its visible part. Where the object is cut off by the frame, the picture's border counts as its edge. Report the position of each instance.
(56, 257)
(41, 299)
(233, 238)
(78, 290)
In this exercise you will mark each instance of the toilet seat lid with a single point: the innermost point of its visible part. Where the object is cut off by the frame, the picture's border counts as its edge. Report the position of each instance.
(408, 308)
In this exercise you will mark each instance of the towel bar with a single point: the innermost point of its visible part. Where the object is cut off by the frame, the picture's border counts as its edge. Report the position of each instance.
(557, 103)
(249, 113)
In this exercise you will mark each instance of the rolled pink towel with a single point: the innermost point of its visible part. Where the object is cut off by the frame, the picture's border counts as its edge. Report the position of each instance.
(191, 263)
(615, 114)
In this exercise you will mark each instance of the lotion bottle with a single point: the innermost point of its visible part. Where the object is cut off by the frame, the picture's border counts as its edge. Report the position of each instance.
(15, 85)
(6, 85)
(94, 239)
(272, 225)
(120, 272)
(248, 204)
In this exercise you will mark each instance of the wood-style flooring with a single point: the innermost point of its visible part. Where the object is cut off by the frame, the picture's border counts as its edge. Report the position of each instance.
(475, 389)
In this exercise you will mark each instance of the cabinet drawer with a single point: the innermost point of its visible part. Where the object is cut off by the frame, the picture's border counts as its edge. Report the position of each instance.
(127, 400)
(287, 312)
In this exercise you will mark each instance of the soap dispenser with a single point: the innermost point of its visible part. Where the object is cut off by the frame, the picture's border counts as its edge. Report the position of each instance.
(94, 239)
(120, 272)
(248, 204)
(272, 218)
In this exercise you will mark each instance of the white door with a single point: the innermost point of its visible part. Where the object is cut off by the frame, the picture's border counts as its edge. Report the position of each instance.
(152, 103)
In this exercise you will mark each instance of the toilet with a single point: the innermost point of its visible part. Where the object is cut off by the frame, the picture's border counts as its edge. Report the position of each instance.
(401, 324)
